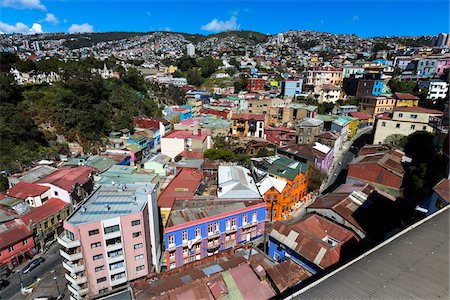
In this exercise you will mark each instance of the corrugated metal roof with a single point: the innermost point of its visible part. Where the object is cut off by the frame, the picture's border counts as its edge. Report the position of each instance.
(413, 265)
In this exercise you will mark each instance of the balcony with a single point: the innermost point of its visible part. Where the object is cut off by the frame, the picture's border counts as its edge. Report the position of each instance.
(73, 268)
(68, 243)
(70, 255)
(76, 280)
(119, 281)
(112, 235)
(113, 247)
(115, 258)
(77, 293)
(117, 270)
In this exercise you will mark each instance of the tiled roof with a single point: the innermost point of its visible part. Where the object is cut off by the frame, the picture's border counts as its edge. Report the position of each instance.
(49, 208)
(12, 232)
(304, 150)
(405, 96)
(360, 115)
(23, 190)
(66, 178)
(257, 117)
(418, 109)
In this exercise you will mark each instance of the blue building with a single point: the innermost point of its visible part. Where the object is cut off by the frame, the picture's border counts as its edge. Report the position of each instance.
(312, 242)
(344, 110)
(196, 229)
(291, 88)
(142, 141)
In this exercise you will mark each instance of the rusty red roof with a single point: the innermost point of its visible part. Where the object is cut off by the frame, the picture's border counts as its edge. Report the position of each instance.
(287, 274)
(418, 109)
(308, 237)
(443, 189)
(257, 117)
(184, 134)
(360, 115)
(49, 208)
(405, 96)
(67, 177)
(191, 154)
(183, 185)
(23, 190)
(13, 232)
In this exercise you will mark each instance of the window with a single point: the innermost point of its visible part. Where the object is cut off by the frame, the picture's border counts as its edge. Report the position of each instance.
(118, 276)
(400, 115)
(198, 231)
(171, 239)
(184, 236)
(140, 268)
(95, 245)
(172, 265)
(56, 193)
(413, 127)
(397, 125)
(11, 248)
(115, 253)
(24, 242)
(110, 229)
(103, 290)
(138, 246)
(413, 116)
(254, 216)
(136, 234)
(97, 257)
(135, 222)
(102, 279)
(98, 269)
(171, 255)
(93, 232)
(116, 265)
(244, 219)
(138, 257)
(424, 127)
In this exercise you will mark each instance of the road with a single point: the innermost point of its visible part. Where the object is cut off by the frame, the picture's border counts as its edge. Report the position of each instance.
(53, 261)
(338, 173)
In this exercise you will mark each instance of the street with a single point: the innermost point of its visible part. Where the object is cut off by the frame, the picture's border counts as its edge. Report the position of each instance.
(53, 262)
(338, 172)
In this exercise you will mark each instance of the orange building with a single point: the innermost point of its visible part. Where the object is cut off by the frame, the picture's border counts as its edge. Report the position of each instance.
(282, 182)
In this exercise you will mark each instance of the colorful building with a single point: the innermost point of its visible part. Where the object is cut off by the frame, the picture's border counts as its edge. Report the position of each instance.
(353, 124)
(179, 140)
(199, 228)
(282, 183)
(243, 125)
(111, 239)
(317, 155)
(373, 105)
(16, 242)
(255, 84)
(406, 99)
(281, 136)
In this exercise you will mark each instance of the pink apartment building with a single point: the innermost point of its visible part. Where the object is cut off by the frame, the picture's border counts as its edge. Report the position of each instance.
(112, 238)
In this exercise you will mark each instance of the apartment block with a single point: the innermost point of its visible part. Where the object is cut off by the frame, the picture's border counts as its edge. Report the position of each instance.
(111, 239)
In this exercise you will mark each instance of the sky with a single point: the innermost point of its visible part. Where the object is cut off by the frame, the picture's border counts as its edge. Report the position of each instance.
(362, 17)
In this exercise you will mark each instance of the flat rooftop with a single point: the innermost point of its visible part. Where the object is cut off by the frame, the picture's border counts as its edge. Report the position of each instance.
(111, 201)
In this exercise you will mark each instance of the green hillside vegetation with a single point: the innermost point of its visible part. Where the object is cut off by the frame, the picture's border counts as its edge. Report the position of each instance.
(84, 109)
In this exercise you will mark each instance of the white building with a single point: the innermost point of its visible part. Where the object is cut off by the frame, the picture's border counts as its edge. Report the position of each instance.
(190, 49)
(405, 121)
(280, 38)
(437, 90)
(236, 182)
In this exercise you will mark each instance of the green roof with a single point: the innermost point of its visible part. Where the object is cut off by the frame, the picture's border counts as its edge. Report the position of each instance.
(137, 137)
(134, 148)
(285, 167)
(125, 175)
(327, 118)
(101, 163)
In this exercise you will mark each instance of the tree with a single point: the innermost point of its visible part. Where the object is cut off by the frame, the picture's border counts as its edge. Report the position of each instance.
(396, 140)
(193, 77)
(7, 60)
(134, 79)
(402, 86)
(240, 84)
(220, 154)
(9, 90)
(316, 178)
(4, 184)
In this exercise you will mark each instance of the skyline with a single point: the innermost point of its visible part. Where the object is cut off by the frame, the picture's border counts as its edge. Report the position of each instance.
(364, 18)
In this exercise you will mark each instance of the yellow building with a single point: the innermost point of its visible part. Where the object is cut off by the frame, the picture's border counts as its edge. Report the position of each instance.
(352, 126)
(373, 105)
(172, 69)
(406, 99)
(243, 125)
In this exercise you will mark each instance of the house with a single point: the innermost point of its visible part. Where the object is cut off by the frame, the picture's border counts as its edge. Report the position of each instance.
(46, 221)
(179, 140)
(16, 241)
(327, 120)
(99, 162)
(147, 123)
(342, 125)
(353, 124)
(186, 184)
(128, 175)
(373, 105)
(404, 121)
(369, 87)
(406, 99)
(316, 76)
(307, 129)
(316, 155)
(282, 182)
(159, 164)
(329, 93)
(439, 198)
(236, 182)
(331, 139)
(312, 242)
(358, 207)
(437, 90)
(243, 125)
(364, 119)
(382, 169)
(71, 185)
(197, 229)
(108, 242)
(33, 194)
(281, 136)
(255, 84)
(291, 88)
(140, 139)
(289, 114)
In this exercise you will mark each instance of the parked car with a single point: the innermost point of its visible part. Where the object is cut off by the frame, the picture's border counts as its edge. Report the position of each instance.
(4, 271)
(3, 283)
(33, 265)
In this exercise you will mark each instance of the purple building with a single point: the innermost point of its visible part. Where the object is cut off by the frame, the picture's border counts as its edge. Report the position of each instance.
(317, 155)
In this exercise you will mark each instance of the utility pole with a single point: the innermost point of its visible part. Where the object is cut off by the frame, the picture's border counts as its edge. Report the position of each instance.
(57, 287)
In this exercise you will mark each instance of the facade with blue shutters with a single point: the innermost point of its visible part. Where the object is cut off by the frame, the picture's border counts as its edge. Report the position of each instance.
(200, 228)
